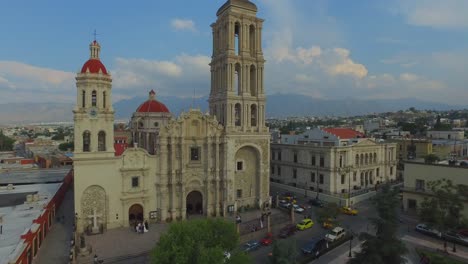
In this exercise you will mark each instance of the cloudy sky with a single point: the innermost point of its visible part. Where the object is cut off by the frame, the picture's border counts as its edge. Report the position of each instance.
(320, 48)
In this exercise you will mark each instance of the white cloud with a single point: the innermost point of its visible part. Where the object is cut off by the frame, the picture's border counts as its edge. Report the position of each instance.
(448, 14)
(409, 77)
(183, 24)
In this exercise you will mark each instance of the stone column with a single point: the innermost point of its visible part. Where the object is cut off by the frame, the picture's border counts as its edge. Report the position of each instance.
(163, 176)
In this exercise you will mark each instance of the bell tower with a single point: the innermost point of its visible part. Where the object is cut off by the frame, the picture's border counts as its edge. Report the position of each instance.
(237, 96)
(93, 112)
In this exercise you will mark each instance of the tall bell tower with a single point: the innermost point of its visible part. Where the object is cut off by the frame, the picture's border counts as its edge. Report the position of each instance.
(237, 96)
(93, 112)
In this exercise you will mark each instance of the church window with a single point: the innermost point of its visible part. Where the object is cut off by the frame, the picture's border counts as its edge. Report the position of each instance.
(252, 40)
(238, 112)
(94, 98)
(140, 124)
(357, 159)
(86, 141)
(321, 178)
(239, 193)
(237, 32)
(253, 81)
(279, 155)
(83, 99)
(343, 179)
(102, 141)
(295, 173)
(375, 157)
(194, 153)
(322, 161)
(104, 99)
(295, 157)
(253, 115)
(237, 79)
(240, 165)
(135, 182)
(313, 160)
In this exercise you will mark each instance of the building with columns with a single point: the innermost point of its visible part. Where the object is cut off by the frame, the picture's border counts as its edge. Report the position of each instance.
(196, 163)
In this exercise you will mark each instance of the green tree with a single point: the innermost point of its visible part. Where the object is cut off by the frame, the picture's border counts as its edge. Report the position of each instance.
(67, 146)
(284, 252)
(431, 158)
(442, 210)
(199, 241)
(384, 247)
(330, 210)
(6, 143)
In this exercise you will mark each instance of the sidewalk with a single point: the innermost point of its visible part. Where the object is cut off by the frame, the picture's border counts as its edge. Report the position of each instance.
(56, 246)
(462, 252)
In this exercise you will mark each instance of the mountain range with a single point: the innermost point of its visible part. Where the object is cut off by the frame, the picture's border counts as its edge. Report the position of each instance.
(278, 105)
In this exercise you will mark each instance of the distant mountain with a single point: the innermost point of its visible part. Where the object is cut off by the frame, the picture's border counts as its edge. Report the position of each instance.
(278, 105)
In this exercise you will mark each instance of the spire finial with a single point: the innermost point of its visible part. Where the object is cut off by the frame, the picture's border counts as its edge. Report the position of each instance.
(95, 35)
(152, 95)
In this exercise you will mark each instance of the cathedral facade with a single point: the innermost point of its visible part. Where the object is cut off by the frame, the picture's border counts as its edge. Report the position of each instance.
(197, 163)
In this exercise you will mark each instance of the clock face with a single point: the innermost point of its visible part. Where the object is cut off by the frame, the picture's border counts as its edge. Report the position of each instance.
(93, 112)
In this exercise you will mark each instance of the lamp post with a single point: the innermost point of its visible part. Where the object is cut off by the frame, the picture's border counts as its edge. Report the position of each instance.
(346, 171)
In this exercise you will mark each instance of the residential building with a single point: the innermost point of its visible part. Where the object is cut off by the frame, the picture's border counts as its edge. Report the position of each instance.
(451, 135)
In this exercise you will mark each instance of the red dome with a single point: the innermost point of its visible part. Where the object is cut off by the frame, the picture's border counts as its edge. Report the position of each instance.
(94, 65)
(152, 106)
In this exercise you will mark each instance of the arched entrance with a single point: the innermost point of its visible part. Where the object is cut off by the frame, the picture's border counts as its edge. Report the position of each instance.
(135, 214)
(194, 203)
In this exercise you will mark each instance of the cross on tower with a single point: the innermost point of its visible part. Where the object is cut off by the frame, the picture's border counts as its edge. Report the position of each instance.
(95, 35)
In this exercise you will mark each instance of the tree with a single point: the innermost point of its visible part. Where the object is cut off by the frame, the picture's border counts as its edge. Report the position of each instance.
(431, 158)
(442, 210)
(284, 252)
(67, 146)
(330, 210)
(199, 241)
(6, 143)
(384, 247)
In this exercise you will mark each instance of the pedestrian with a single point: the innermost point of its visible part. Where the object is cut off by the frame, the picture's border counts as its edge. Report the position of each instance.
(146, 225)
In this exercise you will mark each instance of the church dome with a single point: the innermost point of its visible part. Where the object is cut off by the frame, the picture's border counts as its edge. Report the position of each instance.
(245, 4)
(94, 64)
(152, 105)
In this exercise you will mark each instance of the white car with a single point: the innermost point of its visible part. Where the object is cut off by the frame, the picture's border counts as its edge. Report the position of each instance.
(423, 228)
(298, 209)
(336, 234)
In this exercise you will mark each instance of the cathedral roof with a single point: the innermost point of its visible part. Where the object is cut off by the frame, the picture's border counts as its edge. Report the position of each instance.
(245, 4)
(152, 105)
(94, 66)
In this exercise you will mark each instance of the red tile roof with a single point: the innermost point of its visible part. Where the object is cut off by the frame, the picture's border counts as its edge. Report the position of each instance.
(94, 65)
(344, 133)
(152, 106)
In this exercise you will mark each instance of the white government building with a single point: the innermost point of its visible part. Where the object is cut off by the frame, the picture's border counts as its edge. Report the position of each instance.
(195, 163)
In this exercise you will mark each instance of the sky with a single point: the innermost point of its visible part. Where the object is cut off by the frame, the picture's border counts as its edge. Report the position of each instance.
(326, 49)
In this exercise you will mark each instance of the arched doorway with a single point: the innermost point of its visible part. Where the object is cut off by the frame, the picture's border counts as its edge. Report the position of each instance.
(194, 203)
(135, 214)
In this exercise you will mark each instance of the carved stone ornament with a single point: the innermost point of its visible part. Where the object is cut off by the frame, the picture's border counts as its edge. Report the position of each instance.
(94, 197)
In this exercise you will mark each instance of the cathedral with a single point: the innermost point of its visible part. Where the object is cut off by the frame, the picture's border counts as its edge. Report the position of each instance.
(210, 164)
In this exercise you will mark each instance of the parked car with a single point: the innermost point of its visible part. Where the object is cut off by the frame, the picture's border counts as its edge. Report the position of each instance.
(267, 240)
(349, 211)
(425, 229)
(287, 231)
(298, 209)
(305, 224)
(251, 246)
(316, 202)
(456, 237)
(336, 234)
(284, 204)
(463, 232)
(316, 246)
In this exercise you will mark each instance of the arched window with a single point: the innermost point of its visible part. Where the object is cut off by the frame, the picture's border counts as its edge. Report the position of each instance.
(238, 114)
(253, 115)
(367, 159)
(253, 81)
(375, 157)
(362, 159)
(104, 99)
(252, 40)
(102, 141)
(237, 79)
(86, 141)
(94, 98)
(237, 34)
(83, 99)
(357, 159)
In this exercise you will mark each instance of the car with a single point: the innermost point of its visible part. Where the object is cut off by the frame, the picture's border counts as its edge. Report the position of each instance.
(316, 246)
(251, 246)
(298, 209)
(285, 205)
(328, 223)
(267, 240)
(287, 231)
(305, 224)
(349, 210)
(425, 229)
(316, 202)
(463, 232)
(456, 237)
(336, 234)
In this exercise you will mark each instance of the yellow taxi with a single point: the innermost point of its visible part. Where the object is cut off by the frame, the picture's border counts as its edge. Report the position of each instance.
(349, 211)
(305, 224)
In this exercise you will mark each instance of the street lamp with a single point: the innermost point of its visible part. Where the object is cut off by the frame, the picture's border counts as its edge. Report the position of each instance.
(345, 171)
